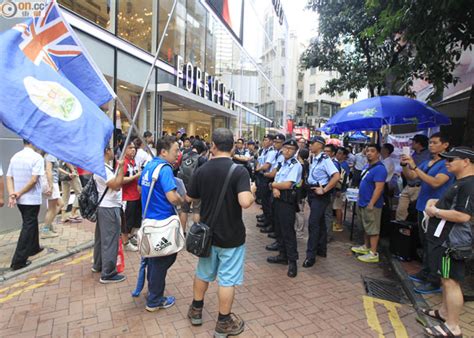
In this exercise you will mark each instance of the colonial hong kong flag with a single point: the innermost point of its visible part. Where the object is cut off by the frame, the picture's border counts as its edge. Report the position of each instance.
(50, 92)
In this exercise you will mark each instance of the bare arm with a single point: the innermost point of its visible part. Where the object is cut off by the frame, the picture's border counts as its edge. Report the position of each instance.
(264, 167)
(271, 174)
(435, 182)
(377, 193)
(246, 199)
(131, 178)
(282, 185)
(49, 173)
(449, 215)
(174, 198)
(117, 182)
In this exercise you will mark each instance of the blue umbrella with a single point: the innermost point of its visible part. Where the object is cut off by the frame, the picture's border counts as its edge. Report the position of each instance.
(359, 136)
(373, 113)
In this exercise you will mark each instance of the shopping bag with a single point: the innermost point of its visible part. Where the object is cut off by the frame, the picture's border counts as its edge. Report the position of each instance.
(120, 258)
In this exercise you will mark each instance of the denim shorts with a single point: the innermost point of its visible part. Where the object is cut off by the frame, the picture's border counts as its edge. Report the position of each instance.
(227, 264)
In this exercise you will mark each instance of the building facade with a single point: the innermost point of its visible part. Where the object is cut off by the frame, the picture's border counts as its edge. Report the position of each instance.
(212, 69)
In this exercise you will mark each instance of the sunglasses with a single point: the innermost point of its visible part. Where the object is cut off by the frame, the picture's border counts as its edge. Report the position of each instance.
(453, 159)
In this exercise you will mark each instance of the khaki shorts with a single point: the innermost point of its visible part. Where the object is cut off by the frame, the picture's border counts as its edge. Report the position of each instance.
(338, 202)
(370, 220)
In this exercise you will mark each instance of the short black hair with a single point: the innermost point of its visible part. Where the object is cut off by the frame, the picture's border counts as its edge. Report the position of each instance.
(443, 137)
(137, 142)
(374, 145)
(26, 142)
(389, 147)
(332, 147)
(223, 139)
(343, 150)
(165, 143)
(304, 153)
(200, 146)
(147, 134)
(241, 140)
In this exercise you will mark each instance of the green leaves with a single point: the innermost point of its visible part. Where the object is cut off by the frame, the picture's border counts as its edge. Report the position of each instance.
(383, 45)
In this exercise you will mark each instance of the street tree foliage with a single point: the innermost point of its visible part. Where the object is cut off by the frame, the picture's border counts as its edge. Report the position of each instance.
(383, 45)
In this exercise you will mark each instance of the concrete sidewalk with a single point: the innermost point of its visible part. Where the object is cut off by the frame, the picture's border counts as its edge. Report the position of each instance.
(73, 238)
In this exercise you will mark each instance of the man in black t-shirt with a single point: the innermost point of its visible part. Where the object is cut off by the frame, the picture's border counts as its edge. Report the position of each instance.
(226, 261)
(449, 228)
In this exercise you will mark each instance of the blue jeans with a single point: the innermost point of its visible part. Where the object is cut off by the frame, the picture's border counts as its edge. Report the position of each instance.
(157, 269)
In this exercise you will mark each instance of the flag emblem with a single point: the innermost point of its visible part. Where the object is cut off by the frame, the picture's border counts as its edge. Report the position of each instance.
(45, 37)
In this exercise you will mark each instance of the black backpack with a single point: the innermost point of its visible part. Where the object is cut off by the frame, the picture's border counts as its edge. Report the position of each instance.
(89, 200)
(188, 165)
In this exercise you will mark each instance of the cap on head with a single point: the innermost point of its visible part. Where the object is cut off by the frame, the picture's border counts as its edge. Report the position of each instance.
(459, 152)
(318, 139)
(251, 142)
(291, 142)
(280, 137)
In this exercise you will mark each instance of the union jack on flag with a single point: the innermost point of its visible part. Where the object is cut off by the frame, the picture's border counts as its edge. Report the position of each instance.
(48, 38)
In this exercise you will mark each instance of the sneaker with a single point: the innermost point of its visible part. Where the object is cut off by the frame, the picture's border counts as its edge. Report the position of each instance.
(427, 288)
(130, 247)
(94, 270)
(337, 227)
(230, 327)
(168, 302)
(115, 279)
(369, 257)
(418, 277)
(133, 240)
(195, 315)
(360, 249)
(47, 233)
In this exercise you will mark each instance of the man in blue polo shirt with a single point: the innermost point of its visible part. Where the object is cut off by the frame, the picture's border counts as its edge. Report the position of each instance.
(370, 202)
(435, 180)
(163, 199)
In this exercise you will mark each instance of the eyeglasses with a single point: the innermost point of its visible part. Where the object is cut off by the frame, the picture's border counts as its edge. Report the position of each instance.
(453, 159)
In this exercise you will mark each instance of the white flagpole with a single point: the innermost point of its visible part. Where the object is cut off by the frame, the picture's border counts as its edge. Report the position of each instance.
(147, 82)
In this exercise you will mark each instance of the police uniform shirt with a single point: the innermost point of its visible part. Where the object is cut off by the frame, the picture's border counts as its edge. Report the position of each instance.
(262, 155)
(270, 157)
(290, 171)
(279, 159)
(243, 152)
(321, 170)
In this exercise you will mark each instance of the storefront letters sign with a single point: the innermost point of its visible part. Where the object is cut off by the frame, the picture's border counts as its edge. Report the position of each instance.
(201, 83)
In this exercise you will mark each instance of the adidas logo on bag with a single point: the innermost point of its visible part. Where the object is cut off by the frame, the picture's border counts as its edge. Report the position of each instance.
(163, 244)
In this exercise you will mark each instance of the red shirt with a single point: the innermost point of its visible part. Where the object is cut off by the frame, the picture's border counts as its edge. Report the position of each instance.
(130, 190)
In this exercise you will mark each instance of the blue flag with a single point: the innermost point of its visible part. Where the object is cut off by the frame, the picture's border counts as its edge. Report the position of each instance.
(44, 107)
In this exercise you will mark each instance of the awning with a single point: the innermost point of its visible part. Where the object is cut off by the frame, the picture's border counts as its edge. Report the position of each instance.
(191, 101)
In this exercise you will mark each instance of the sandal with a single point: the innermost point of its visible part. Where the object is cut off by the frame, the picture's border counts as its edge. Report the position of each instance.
(441, 330)
(433, 314)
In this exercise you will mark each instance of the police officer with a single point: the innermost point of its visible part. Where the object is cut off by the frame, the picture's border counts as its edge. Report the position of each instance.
(284, 207)
(264, 164)
(323, 177)
(270, 176)
(242, 155)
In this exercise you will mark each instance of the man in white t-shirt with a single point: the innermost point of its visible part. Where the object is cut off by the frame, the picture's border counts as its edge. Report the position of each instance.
(2, 201)
(387, 150)
(107, 229)
(24, 190)
(142, 157)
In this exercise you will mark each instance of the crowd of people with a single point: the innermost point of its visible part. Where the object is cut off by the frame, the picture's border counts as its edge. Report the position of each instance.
(286, 177)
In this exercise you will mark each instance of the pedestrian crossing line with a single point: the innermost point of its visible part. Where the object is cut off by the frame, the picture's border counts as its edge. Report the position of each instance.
(80, 259)
(30, 287)
(373, 320)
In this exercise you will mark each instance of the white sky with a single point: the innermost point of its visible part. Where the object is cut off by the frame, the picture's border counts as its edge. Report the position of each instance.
(303, 21)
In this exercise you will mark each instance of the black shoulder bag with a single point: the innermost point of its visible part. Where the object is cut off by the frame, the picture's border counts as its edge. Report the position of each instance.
(199, 236)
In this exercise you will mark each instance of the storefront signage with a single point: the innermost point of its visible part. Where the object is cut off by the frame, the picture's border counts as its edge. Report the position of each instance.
(278, 10)
(201, 83)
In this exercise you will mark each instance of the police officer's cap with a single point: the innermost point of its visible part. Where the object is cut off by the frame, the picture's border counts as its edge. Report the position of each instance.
(280, 137)
(269, 136)
(318, 139)
(251, 142)
(291, 142)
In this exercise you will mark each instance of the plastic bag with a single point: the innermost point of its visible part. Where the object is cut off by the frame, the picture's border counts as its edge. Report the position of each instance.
(120, 258)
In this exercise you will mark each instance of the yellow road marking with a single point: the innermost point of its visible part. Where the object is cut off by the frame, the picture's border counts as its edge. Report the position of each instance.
(80, 259)
(30, 287)
(373, 320)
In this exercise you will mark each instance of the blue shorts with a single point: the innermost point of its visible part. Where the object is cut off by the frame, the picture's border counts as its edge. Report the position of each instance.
(226, 264)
